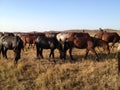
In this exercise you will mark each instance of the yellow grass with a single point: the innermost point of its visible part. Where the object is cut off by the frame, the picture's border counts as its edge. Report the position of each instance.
(35, 74)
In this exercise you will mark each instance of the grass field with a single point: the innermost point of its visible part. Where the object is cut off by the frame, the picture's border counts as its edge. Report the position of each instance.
(35, 74)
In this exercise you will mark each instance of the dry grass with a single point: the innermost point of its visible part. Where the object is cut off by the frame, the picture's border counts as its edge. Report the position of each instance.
(34, 74)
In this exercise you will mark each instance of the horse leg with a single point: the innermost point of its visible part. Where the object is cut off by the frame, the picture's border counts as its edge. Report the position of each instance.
(37, 51)
(51, 53)
(107, 49)
(65, 54)
(25, 45)
(97, 58)
(5, 53)
(28, 46)
(87, 51)
(23, 49)
(70, 52)
(2, 50)
(40, 52)
(33, 45)
(17, 56)
(112, 44)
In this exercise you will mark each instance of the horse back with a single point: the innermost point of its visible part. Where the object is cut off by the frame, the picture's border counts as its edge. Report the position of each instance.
(110, 37)
(46, 42)
(11, 42)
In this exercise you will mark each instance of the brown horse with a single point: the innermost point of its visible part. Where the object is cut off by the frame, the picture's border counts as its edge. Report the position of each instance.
(78, 34)
(29, 38)
(80, 43)
(88, 43)
(108, 36)
(101, 43)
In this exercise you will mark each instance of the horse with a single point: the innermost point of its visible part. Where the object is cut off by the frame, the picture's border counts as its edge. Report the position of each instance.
(51, 34)
(62, 37)
(43, 42)
(101, 43)
(11, 43)
(112, 37)
(80, 43)
(88, 43)
(78, 34)
(29, 38)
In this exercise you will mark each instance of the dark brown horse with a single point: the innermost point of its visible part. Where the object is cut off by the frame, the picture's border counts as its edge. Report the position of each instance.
(101, 43)
(82, 43)
(112, 37)
(88, 43)
(78, 34)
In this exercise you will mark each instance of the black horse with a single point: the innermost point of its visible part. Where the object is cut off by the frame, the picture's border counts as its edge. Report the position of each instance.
(43, 42)
(11, 43)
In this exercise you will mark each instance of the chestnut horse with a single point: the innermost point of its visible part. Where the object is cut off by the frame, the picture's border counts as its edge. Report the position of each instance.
(88, 43)
(112, 37)
(80, 43)
(29, 38)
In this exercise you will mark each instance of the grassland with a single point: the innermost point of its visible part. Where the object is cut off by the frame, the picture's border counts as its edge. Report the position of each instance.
(35, 74)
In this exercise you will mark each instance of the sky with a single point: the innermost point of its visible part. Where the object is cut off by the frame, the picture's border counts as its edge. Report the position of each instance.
(57, 15)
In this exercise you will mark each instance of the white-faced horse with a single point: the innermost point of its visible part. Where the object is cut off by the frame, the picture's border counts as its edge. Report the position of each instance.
(62, 37)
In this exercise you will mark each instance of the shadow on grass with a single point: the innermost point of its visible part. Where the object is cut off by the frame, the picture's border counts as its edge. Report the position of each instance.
(78, 58)
(92, 57)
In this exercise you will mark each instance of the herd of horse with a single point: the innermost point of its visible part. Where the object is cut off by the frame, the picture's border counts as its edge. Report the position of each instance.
(63, 41)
